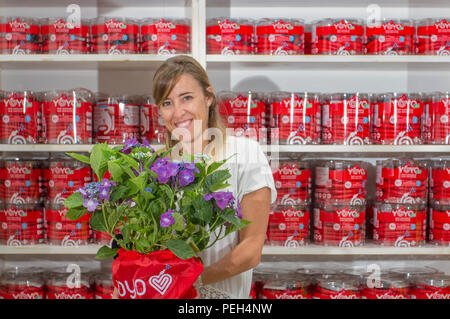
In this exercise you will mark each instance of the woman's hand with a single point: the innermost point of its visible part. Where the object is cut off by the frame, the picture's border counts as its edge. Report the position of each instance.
(247, 254)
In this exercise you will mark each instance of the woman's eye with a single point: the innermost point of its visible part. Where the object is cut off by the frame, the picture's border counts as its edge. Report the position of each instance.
(187, 98)
(165, 103)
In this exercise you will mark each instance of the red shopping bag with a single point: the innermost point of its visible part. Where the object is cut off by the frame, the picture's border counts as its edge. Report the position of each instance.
(158, 275)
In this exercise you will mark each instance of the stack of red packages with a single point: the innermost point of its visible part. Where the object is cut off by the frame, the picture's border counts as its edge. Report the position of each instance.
(67, 117)
(341, 182)
(64, 176)
(244, 114)
(292, 181)
(289, 217)
(104, 286)
(20, 114)
(439, 219)
(337, 287)
(288, 225)
(62, 231)
(286, 286)
(294, 118)
(399, 225)
(22, 224)
(433, 37)
(21, 180)
(391, 37)
(338, 37)
(152, 126)
(436, 118)
(165, 36)
(339, 225)
(19, 35)
(59, 287)
(308, 38)
(340, 203)
(60, 36)
(435, 286)
(388, 286)
(397, 118)
(440, 182)
(346, 119)
(114, 35)
(280, 37)
(116, 119)
(260, 276)
(402, 181)
(229, 36)
(24, 284)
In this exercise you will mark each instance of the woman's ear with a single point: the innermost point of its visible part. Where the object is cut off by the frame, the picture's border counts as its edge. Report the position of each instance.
(209, 97)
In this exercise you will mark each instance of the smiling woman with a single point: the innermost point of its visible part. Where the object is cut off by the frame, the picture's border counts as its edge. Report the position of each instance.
(187, 104)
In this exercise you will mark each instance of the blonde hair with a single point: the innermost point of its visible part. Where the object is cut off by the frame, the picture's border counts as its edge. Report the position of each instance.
(165, 79)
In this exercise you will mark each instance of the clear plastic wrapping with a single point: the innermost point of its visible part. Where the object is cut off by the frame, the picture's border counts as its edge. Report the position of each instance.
(295, 117)
(279, 36)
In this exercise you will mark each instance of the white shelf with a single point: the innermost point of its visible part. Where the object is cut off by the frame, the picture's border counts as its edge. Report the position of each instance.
(48, 250)
(151, 61)
(52, 147)
(357, 148)
(81, 61)
(327, 58)
(367, 250)
(266, 148)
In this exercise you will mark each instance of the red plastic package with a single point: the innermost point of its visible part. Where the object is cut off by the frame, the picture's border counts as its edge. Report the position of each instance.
(158, 275)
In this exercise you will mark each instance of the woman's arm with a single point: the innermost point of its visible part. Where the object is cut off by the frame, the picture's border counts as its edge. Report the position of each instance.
(247, 254)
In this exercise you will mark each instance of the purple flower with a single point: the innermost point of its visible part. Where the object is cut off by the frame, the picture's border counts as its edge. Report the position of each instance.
(167, 218)
(186, 177)
(103, 193)
(91, 204)
(238, 210)
(223, 199)
(128, 145)
(164, 169)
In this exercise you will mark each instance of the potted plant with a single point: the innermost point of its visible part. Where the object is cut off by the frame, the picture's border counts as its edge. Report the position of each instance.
(165, 212)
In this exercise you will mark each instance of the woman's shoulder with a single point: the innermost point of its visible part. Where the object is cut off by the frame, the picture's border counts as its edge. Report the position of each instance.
(243, 147)
(242, 142)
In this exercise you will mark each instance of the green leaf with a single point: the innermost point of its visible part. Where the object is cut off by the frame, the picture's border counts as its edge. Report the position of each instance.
(74, 200)
(180, 248)
(98, 160)
(130, 161)
(202, 209)
(179, 223)
(80, 157)
(140, 181)
(114, 216)
(118, 193)
(215, 165)
(217, 180)
(75, 213)
(115, 170)
(97, 222)
(106, 252)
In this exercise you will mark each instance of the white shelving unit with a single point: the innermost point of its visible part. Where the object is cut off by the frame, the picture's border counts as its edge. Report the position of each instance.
(309, 72)
(309, 250)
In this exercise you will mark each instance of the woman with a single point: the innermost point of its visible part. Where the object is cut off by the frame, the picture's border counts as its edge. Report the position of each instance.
(187, 104)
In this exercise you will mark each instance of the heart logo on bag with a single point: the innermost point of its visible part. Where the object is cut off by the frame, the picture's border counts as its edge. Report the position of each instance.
(161, 282)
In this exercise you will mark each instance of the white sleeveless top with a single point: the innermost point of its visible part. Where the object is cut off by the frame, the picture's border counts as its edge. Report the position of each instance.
(250, 171)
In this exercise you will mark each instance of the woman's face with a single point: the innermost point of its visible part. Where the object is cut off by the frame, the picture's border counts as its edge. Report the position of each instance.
(184, 105)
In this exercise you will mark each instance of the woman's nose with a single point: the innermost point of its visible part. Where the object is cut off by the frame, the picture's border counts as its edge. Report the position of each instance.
(179, 110)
